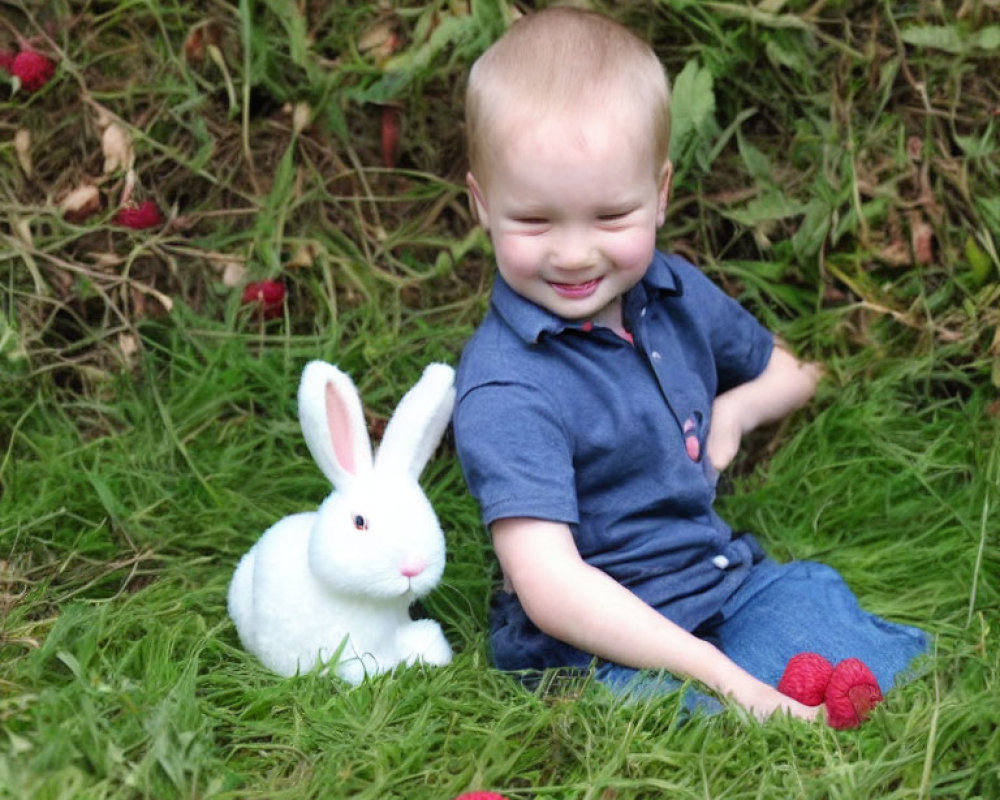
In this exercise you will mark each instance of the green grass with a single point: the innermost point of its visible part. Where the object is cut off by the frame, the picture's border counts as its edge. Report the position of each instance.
(123, 677)
(143, 449)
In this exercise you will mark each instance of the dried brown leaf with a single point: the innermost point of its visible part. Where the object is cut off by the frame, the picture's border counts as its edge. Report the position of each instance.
(921, 239)
(22, 147)
(119, 153)
(380, 40)
(199, 38)
(80, 203)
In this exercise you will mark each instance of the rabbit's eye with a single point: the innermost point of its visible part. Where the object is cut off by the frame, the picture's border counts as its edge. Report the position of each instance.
(360, 523)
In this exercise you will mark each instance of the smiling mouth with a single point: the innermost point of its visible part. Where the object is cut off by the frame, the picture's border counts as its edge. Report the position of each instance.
(576, 290)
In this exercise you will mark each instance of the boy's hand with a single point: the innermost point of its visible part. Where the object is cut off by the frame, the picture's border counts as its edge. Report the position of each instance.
(766, 701)
(757, 697)
(785, 385)
(726, 433)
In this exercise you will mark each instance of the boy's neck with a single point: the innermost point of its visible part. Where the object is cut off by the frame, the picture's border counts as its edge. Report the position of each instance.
(611, 316)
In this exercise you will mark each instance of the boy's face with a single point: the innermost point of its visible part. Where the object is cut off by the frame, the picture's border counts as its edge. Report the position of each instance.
(572, 208)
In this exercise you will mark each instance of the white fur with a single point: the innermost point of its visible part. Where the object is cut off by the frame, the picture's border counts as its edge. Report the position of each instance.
(316, 590)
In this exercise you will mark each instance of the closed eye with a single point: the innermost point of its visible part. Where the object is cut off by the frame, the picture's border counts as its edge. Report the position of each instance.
(613, 216)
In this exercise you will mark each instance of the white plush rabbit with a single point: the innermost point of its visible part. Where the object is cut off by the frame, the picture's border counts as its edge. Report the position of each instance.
(334, 586)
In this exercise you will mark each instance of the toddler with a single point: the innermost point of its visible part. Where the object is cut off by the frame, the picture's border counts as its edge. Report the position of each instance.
(608, 384)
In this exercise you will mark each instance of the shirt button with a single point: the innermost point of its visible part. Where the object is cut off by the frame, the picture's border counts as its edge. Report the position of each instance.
(643, 312)
(720, 561)
(655, 355)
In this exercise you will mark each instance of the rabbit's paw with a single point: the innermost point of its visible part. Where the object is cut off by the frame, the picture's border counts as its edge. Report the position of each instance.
(423, 640)
(354, 669)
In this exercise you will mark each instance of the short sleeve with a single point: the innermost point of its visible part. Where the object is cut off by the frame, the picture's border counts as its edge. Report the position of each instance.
(515, 453)
(741, 346)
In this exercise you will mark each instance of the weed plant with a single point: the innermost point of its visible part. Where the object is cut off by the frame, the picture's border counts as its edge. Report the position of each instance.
(836, 170)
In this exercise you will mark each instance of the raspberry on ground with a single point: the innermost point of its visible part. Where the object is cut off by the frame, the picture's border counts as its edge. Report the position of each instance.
(805, 678)
(145, 215)
(851, 694)
(32, 68)
(480, 796)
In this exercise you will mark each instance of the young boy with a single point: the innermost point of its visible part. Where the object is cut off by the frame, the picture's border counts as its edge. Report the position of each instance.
(607, 385)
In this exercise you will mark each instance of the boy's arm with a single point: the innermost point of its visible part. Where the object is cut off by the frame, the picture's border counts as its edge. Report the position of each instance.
(583, 606)
(785, 385)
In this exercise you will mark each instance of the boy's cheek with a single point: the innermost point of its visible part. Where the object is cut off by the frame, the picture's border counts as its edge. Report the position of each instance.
(515, 257)
(636, 251)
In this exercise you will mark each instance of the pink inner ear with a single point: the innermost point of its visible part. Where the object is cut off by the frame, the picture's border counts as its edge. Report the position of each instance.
(338, 420)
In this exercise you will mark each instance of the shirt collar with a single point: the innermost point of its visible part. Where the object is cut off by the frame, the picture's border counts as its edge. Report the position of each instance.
(530, 321)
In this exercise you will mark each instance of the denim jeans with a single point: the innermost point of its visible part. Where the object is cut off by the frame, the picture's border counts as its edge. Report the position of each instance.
(781, 610)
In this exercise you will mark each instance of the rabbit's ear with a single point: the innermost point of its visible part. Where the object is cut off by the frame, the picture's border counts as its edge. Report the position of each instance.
(419, 422)
(333, 423)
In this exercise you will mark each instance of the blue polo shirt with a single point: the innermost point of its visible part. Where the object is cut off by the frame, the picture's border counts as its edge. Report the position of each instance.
(569, 422)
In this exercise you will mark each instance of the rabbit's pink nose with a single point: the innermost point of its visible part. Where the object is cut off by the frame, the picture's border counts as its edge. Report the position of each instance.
(412, 569)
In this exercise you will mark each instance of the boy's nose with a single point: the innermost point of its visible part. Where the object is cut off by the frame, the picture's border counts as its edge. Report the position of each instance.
(573, 252)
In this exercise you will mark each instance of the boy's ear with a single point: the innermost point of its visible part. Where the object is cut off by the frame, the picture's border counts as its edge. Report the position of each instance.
(666, 181)
(477, 202)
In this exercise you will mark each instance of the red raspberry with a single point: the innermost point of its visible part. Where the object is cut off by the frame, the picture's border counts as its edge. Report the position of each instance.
(851, 694)
(480, 796)
(145, 215)
(267, 295)
(806, 677)
(33, 69)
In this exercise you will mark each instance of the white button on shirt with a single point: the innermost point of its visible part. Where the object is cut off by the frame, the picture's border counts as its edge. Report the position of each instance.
(720, 561)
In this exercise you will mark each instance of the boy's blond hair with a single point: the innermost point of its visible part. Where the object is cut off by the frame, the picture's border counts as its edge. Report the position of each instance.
(558, 60)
